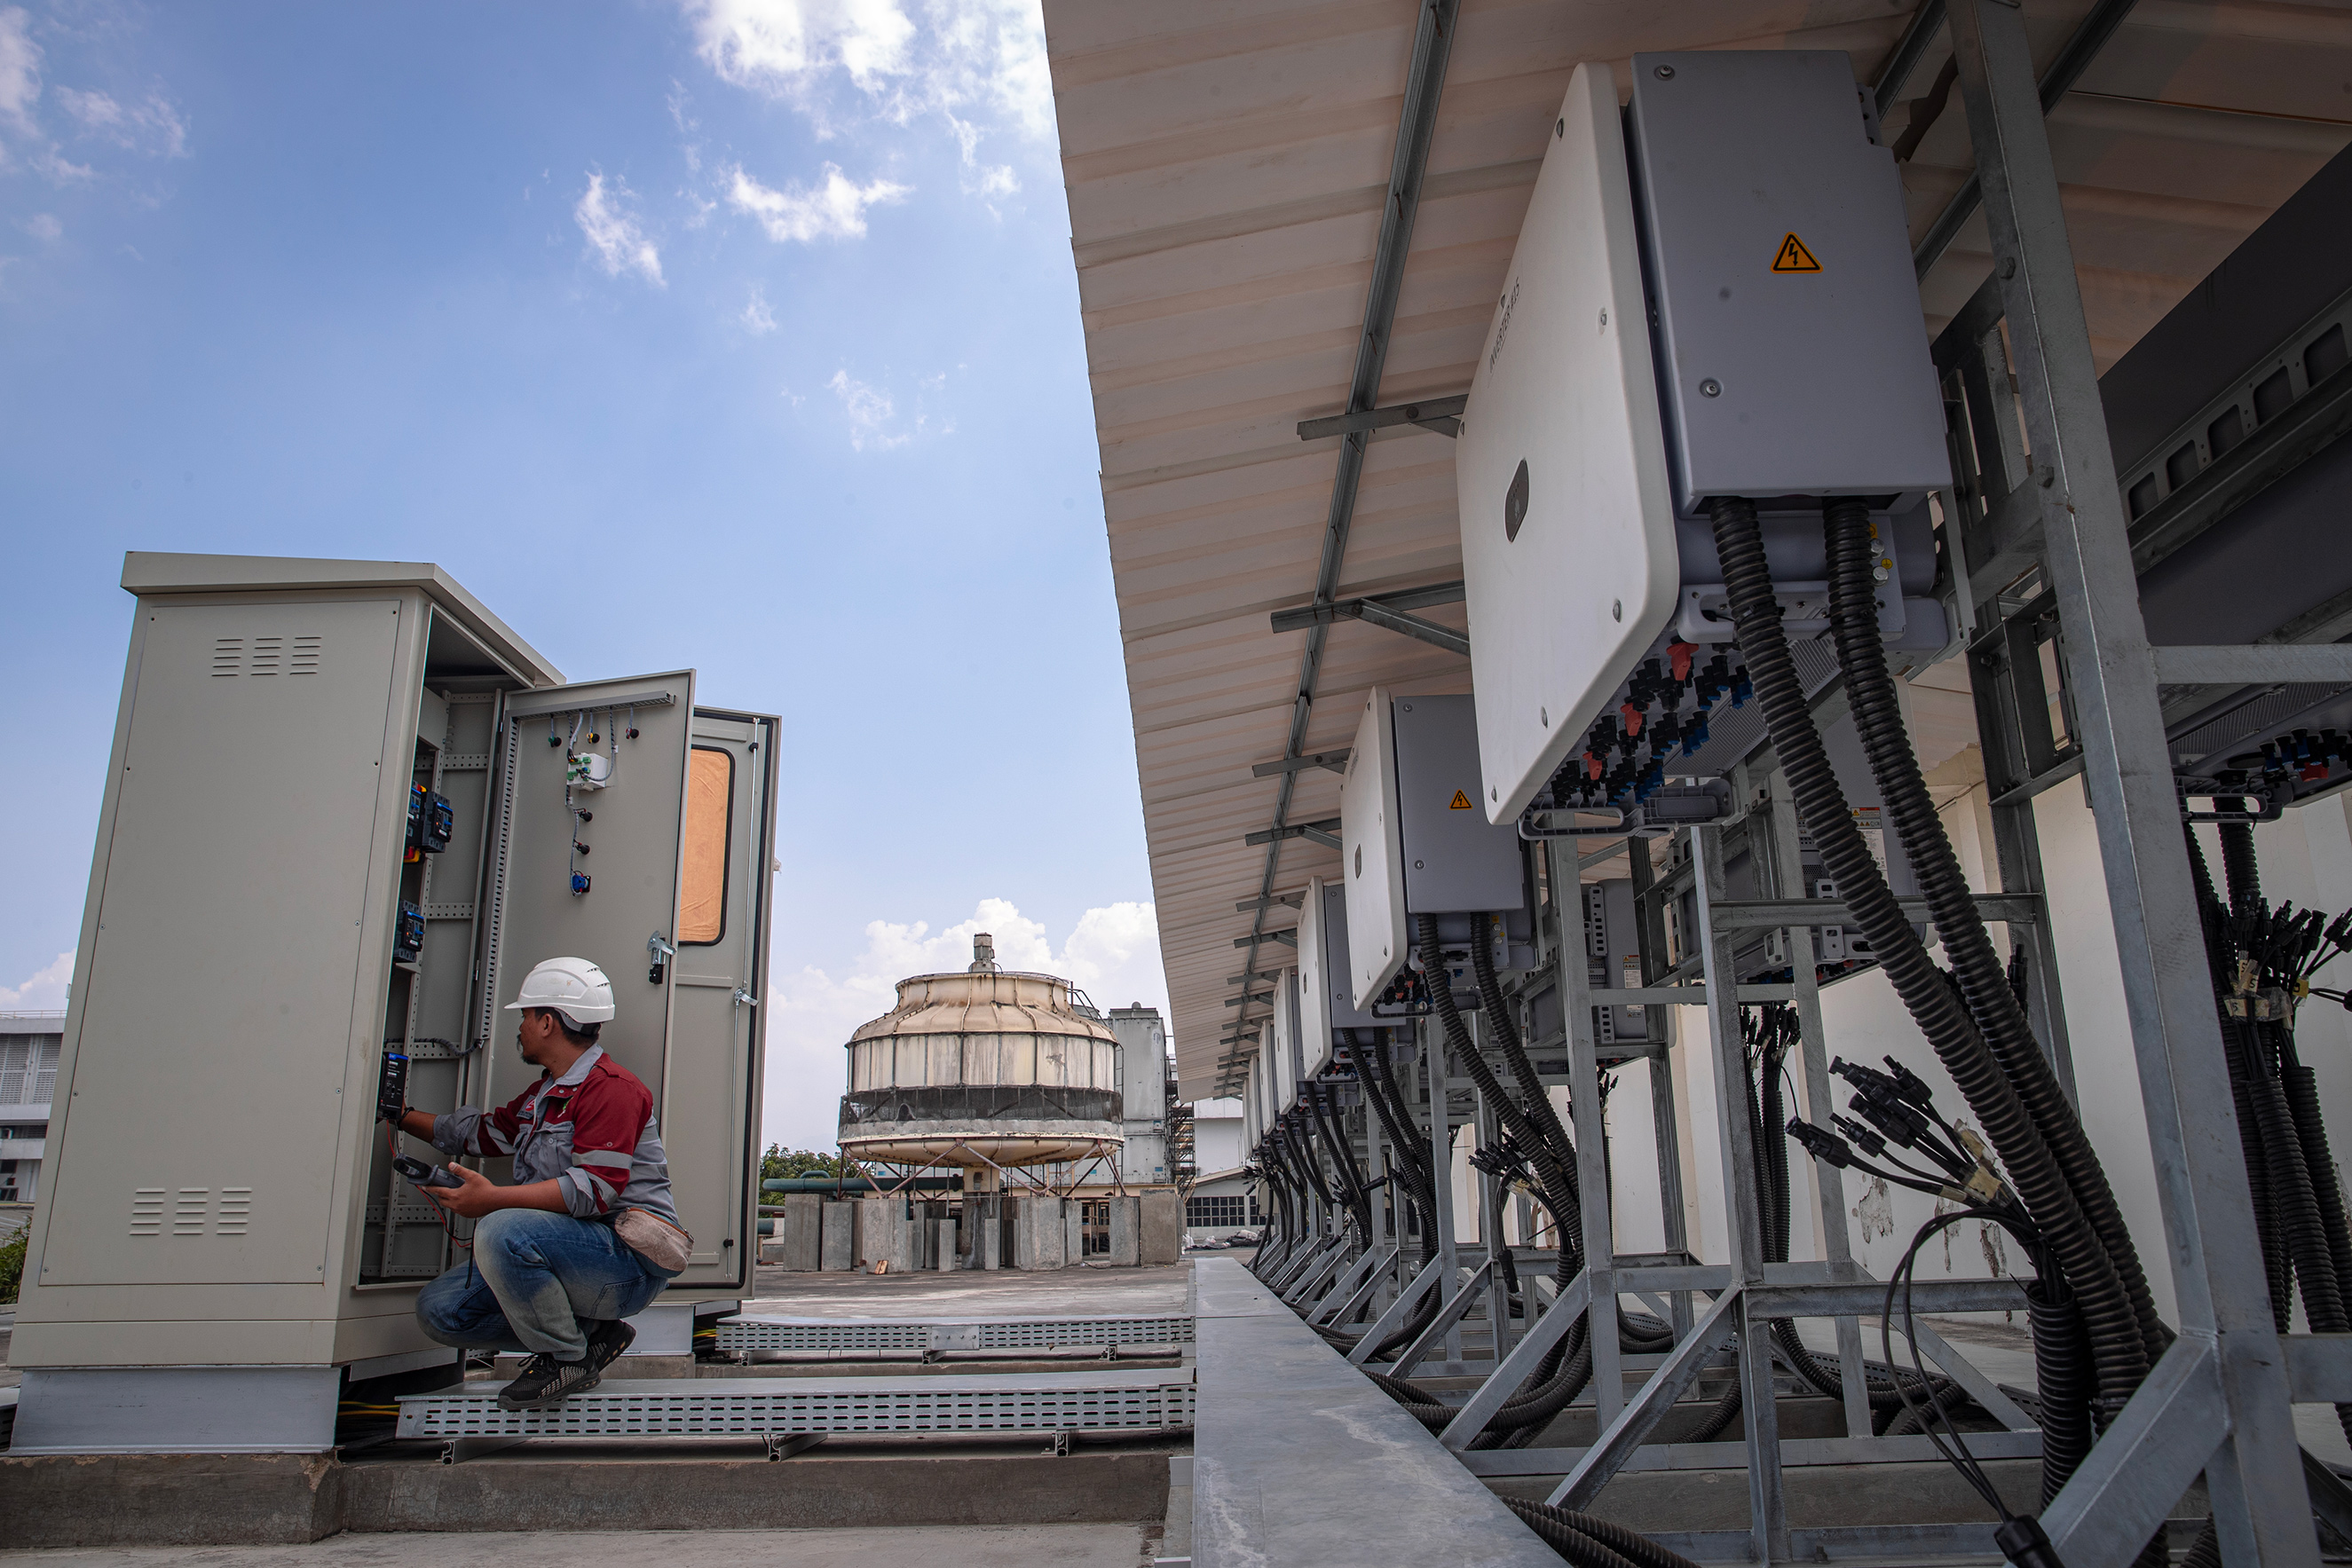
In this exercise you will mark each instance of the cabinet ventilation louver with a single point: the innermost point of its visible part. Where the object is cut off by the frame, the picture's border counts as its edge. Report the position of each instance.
(297, 656)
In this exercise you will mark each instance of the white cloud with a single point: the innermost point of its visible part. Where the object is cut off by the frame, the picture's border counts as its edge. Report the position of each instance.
(20, 68)
(44, 992)
(979, 65)
(871, 414)
(758, 320)
(153, 126)
(833, 210)
(620, 245)
(1112, 954)
(44, 225)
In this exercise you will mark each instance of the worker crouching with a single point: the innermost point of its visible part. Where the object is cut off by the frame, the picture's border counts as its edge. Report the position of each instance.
(588, 1235)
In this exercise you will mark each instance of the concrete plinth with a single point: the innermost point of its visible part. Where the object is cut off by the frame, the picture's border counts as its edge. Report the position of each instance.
(798, 1231)
(1074, 1233)
(233, 1499)
(881, 1232)
(1162, 1229)
(985, 1219)
(836, 1238)
(1037, 1235)
(1126, 1232)
(944, 1245)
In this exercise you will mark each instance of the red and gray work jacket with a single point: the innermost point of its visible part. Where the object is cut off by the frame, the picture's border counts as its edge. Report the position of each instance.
(593, 1130)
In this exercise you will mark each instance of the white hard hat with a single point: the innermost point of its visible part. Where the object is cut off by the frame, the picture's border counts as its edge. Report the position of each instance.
(573, 987)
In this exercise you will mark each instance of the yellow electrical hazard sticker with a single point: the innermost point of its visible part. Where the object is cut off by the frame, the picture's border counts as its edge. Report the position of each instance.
(1793, 256)
(1460, 802)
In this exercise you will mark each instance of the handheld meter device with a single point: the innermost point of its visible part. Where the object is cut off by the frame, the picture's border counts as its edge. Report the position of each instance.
(423, 1174)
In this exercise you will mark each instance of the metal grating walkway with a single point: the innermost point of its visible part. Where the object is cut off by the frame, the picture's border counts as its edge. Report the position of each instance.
(755, 1406)
(741, 1336)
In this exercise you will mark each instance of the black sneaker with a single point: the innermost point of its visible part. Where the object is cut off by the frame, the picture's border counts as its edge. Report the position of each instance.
(546, 1383)
(609, 1343)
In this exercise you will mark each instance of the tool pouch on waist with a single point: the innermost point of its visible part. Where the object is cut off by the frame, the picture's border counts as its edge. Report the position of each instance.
(653, 1239)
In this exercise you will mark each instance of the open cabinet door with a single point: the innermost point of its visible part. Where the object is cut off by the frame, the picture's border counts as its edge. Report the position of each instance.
(718, 1014)
(576, 794)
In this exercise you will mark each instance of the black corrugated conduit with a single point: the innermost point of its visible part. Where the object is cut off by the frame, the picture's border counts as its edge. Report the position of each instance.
(1591, 1542)
(1565, 1370)
(1411, 1175)
(2001, 1024)
(2118, 1346)
(1377, 1074)
(2257, 954)
(1354, 1195)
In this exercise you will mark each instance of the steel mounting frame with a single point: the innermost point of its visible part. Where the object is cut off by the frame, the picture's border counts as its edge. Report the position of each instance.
(2220, 1400)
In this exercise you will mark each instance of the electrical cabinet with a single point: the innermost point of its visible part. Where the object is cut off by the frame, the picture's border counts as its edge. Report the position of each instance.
(1568, 541)
(1325, 995)
(1711, 296)
(343, 817)
(1413, 839)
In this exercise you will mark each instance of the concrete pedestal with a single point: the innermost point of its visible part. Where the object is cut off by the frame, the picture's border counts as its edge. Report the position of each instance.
(1163, 1233)
(1126, 1232)
(880, 1224)
(1074, 1233)
(797, 1231)
(1038, 1240)
(944, 1245)
(836, 1238)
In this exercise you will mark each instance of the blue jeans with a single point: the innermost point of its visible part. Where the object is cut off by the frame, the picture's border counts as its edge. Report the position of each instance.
(538, 1282)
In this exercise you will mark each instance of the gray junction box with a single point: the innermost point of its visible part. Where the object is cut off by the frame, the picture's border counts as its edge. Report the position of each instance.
(1790, 357)
(262, 926)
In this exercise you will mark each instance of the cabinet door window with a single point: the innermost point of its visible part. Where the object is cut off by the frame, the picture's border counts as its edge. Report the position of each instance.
(702, 880)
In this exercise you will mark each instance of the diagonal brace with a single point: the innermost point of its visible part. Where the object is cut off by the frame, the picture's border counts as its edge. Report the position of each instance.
(1669, 1382)
(1516, 1369)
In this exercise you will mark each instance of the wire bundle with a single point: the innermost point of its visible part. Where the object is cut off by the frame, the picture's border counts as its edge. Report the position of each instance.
(2263, 960)
(2062, 1208)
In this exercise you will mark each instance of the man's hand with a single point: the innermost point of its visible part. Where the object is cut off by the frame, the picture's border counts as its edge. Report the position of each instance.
(478, 1196)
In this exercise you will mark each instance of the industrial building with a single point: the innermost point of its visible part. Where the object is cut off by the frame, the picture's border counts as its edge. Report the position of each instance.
(29, 1043)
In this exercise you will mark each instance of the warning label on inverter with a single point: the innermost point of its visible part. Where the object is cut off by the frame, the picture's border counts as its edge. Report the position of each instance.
(1461, 803)
(1792, 256)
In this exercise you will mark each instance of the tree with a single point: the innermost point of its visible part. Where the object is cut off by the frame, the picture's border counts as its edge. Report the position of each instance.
(780, 1161)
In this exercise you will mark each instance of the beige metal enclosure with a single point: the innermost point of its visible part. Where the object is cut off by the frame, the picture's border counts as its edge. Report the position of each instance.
(260, 929)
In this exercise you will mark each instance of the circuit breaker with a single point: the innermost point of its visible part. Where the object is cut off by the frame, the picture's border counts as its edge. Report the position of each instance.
(195, 1287)
(1711, 296)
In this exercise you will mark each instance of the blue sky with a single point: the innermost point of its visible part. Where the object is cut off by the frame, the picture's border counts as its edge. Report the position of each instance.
(737, 334)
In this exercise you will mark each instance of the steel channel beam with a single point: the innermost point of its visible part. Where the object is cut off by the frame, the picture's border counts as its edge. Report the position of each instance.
(1424, 84)
(1754, 914)
(2260, 1507)
(1596, 1233)
(1901, 1450)
(1759, 1411)
(2063, 73)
